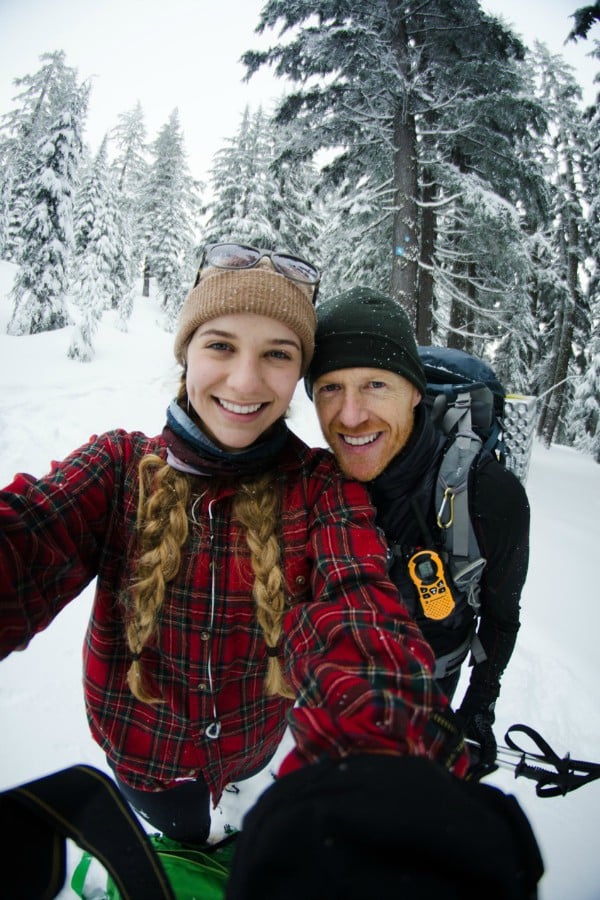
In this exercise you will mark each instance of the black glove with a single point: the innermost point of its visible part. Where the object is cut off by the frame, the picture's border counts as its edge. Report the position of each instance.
(477, 729)
(283, 849)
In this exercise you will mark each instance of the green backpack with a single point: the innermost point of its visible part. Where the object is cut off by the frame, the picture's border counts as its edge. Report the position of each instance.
(194, 874)
(82, 804)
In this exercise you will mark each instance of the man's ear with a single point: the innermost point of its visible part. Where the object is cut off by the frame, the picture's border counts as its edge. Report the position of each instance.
(417, 398)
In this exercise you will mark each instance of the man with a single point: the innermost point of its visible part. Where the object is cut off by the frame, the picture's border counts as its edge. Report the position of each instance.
(367, 383)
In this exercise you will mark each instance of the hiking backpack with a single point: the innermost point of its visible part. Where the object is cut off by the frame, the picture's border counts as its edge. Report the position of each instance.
(467, 403)
(82, 804)
(504, 422)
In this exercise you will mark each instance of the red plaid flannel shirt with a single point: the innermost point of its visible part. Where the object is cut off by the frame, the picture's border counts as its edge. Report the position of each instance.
(359, 665)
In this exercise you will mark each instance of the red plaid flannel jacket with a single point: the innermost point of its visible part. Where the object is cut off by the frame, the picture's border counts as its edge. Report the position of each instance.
(359, 665)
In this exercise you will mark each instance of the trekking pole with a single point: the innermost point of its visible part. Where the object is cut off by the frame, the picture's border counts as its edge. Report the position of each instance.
(555, 775)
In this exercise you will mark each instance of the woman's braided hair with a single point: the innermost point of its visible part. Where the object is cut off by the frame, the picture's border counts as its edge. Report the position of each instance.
(163, 527)
(257, 507)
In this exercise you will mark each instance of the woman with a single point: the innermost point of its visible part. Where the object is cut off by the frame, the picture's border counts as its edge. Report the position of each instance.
(237, 573)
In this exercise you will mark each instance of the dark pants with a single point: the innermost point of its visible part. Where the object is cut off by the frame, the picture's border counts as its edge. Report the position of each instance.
(449, 683)
(181, 812)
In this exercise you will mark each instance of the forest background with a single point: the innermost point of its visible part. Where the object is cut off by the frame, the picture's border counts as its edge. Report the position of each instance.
(423, 149)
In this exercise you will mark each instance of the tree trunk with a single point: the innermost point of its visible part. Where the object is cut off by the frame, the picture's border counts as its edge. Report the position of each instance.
(146, 285)
(564, 344)
(469, 314)
(425, 292)
(462, 315)
(455, 338)
(553, 402)
(405, 247)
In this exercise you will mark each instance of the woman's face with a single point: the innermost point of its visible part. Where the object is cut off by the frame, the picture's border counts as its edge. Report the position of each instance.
(242, 370)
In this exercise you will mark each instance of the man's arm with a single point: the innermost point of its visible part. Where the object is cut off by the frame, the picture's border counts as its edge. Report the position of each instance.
(501, 517)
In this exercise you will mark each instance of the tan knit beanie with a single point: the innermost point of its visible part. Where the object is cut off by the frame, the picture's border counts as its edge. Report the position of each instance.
(260, 290)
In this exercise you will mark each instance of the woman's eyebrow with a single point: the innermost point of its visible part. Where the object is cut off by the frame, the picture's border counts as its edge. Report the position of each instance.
(219, 332)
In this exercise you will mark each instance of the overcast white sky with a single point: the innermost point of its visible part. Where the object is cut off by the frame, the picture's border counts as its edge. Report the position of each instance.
(185, 54)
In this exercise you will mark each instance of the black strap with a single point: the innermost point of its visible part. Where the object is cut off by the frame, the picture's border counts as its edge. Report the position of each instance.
(83, 804)
(568, 775)
(421, 522)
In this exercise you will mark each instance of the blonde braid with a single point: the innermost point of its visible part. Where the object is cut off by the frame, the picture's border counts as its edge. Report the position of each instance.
(256, 507)
(163, 526)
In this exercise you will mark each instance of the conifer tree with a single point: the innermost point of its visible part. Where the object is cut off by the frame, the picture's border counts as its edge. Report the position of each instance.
(6, 189)
(397, 90)
(562, 311)
(351, 247)
(295, 205)
(240, 185)
(171, 209)
(585, 417)
(101, 265)
(130, 168)
(40, 100)
(42, 278)
(260, 196)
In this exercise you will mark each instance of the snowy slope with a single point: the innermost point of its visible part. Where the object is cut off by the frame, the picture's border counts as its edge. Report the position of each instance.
(49, 405)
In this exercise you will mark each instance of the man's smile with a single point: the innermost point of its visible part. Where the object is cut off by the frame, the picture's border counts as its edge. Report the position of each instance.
(360, 440)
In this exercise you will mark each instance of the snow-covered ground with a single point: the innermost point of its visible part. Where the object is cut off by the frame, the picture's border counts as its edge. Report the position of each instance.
(50, 404)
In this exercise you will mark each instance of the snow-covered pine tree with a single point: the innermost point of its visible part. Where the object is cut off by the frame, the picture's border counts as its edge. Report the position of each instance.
(130, 167)
(40, 99)
(240, 186)
(352, 65)
(42, 278)
(171, 208)
(260, 196)
(115, 209)
(130, 162)
(86, 196)
(563, 319)
(397, 88)
(102, 272)
(6, 188)
(123, 270)
(483, 192)
(354, 236)
(584, 419)
(294, 202)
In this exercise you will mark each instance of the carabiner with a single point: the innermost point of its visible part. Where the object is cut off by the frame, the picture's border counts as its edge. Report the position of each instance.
(448, 498)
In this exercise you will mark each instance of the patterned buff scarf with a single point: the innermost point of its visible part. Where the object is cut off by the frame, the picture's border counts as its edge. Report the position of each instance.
(190, 450)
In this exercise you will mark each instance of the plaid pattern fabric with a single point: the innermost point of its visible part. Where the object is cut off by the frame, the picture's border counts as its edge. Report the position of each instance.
(359, 665)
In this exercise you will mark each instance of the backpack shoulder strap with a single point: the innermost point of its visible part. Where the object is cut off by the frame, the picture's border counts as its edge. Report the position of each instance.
(83, 804)
(452, 499)
(452, 487)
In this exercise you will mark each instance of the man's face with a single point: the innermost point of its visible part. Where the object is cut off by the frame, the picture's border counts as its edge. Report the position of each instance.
(366, 416)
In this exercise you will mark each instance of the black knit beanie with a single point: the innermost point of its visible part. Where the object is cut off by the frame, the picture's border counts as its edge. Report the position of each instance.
(367, 329)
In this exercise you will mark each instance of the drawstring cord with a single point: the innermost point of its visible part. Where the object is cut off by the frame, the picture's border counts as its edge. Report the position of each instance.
(213, 730)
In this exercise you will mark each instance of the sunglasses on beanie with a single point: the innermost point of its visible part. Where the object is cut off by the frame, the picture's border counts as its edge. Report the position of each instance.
(239, 256)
